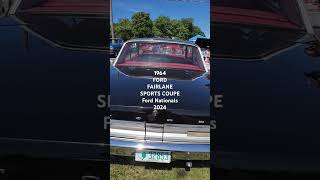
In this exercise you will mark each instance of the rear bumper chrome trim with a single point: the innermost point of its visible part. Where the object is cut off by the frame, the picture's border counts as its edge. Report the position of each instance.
(171, 133)
(121, 147)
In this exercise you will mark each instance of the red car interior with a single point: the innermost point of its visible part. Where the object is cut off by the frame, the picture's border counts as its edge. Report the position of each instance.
(161, 65)
(167, 50)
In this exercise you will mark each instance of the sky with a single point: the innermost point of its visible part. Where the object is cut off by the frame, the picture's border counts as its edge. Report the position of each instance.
(199, 10)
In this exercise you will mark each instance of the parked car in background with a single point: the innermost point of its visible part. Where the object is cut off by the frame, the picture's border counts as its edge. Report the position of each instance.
(115, 46)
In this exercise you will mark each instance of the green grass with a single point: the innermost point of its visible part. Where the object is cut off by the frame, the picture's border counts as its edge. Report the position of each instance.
(129, 171)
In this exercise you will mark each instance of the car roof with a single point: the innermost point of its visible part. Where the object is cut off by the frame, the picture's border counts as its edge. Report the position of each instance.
(163, 40)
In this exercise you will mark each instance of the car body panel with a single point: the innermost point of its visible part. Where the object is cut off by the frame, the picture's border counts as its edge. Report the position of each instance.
(50, 83)
(270, 116)
(182, 127)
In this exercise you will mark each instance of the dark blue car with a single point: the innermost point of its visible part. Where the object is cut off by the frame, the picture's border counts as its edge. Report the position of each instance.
(115, 46)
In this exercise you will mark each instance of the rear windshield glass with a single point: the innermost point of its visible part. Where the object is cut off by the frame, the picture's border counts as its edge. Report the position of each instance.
(161, 55)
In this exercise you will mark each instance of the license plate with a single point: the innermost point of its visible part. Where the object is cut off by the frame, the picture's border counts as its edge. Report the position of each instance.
(153, 156)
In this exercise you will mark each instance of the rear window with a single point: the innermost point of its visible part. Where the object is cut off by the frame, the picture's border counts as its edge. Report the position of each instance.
(161, 55)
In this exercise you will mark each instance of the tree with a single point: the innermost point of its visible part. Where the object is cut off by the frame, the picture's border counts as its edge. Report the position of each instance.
(142, 25)
(123, 29)
(184, 29)
(192, 29)
(197, 30)
(180, 30)
(162, 27)
(187, 23)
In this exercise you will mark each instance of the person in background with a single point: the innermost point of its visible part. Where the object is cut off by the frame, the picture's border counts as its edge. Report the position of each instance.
(207, 55)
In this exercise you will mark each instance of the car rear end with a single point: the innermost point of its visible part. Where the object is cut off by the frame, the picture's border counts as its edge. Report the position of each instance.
(138, 130)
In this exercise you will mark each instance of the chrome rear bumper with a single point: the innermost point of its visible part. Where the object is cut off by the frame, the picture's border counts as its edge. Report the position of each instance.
(128, 148)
